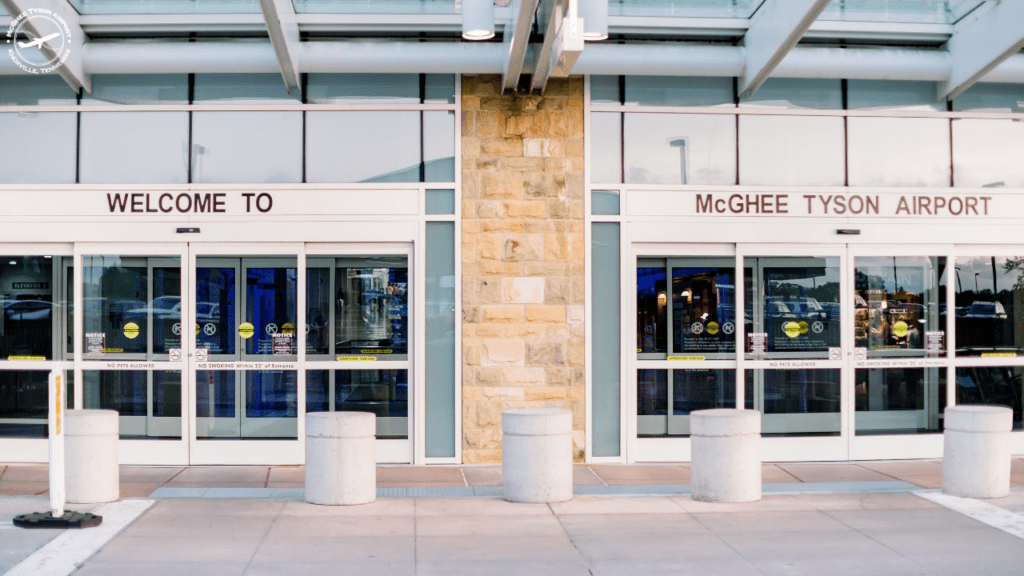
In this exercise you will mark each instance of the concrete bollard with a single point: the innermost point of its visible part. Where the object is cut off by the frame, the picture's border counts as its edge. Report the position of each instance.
(725, 456)
(91, 472)
(536, 455)
(341, 458)
(976, 451)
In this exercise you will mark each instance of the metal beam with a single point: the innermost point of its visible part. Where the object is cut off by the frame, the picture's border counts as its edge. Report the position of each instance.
(284, 37)
(979, 45)
(563, 41)
(44, 18)
(516, 41)
(776, 27)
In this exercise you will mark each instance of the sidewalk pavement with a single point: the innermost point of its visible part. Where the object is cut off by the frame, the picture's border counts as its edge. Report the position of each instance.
(898, 531)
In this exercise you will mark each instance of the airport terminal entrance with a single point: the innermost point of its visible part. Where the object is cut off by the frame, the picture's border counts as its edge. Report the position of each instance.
(211, 353)
(849, 351)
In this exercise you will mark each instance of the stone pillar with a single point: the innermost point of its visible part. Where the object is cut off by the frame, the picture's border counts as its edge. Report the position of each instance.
(725, 455)
(91, 472)
(976, 451)
(341, 463)
(522, 258)
(536, 463)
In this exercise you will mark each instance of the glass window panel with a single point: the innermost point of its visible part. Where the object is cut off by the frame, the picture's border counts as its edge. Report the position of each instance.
(24, 396)
(38, 147)
(232, 147)
(318, 310)
(899, 152)
(820, 94)
(792, 150)
(366, 89)
(92, 7)
(372, 306)
(604, 90)
(166, 309)
(389, 7)
(679, 91)
(606, 147)
(989, 97)
(799, 302)
(651, 309)
(270, 394)
(606, 344)
(115, 317)
(989, 315)
(703, 303)
(26, 294)
(134, 147)
(685, 8)
(899, 400)
(438, 146)
(986, 153)
(652, 392)
(242, 89)
(148, 402)
(911, 11)
(384, 393)
(796, 402)
(137, 89)
(440, 350)
(215, 308)
(666, 398)
(215, 399)
(439, 89)
(440, 201)
(270, 306)
(604, 202)
(994, 386)
(41, 90)
(898, 300)
(892, 95)
(364, 146)
(680, 149)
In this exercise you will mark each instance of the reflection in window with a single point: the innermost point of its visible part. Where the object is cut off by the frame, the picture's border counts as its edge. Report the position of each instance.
(792, 150)
(703, 310)
(900, 304)
(899, 400)
(270, 306)
(215, 308)
(384, 393)
(993, 386)
(606, 147)
(799, 300)
(115, 315)
(796, 402)
(230, 147)
(38, 147)
(680, 149)
(651, 310)
(677, 91)
(899, 152)
(148, 402)
(665, 398)
(981, 153)
(23, 404)
(26, 298)
(989, 315)
(134, 147)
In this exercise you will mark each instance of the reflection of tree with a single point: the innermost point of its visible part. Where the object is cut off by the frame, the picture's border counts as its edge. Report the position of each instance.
(1015, 264)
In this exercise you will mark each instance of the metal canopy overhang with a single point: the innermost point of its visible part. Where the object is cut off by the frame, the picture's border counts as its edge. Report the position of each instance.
(72, 70)
(978, 45)
(776, 27)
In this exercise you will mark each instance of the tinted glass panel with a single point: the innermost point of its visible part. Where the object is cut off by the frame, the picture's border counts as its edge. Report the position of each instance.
(23, 404)
(792, 150)
(134, 147)
(899, 152)
(989, 316)
(982, 153)
(679, 91)
(797, 402)
(703, 310)
(26, 295)
(680, 149)
(899, 400)
(38, 147)
(994, 386)
(371, 147)
(247, 147)
(606, 147)
(651, 310)
(384, 393)
(898, 301)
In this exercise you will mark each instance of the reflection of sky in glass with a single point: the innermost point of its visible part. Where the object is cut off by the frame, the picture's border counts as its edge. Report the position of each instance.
(910, 11)
(376, 6)
(791, 150)
(606, 147)
(899, 151)
(680, 149)
(685, 8)
(166, 6)
(987, 153)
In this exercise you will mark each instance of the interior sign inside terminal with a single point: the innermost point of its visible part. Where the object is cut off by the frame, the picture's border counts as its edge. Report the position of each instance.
(843, 204)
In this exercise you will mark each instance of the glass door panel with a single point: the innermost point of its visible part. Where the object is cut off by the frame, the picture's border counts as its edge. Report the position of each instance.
(899, 307)
(793, 307)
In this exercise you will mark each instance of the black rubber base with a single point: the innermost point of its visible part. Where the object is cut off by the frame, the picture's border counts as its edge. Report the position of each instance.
(70, 519)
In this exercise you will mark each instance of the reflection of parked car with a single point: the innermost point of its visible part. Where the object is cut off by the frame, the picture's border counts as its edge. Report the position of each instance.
(777, 309)
(808, 308)
(27, 309)
(985, 310)
(207, 312)
(163, 308)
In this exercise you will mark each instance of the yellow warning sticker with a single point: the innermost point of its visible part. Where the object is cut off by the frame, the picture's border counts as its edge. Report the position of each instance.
(57, 396)
(355, 358)
(792, 329)
(691, 358)
(375, 351)
(803, 327)
(998, 354)
(26, 358)
(712, 328)
(288, 328)
(113, 350)
(246, 330)
(131, 330)
(197, 328)
(899, 329)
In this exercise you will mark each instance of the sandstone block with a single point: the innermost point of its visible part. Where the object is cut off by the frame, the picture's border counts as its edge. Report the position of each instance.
(547, 314)
(501, 314)
(522, 290)
(503, 352)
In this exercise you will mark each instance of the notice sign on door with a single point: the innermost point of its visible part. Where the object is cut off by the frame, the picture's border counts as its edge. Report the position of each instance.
(933, 343)
(95, 343)
(757, 343)
(284, 344)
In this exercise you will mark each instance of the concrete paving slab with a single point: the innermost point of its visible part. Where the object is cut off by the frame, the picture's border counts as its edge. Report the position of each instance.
(585, 476)
(720, 567)
(336, 550)
(180, 549)
(456, 549)
(379, 507)
(956, 564)
(469, 506)
(623, 505)
(357, 568)
(26, 473)
(517, 568)
(664, 547)
(813, 545)
(494, 526)
(902, 519)
(833, 473)
(200, 526)
(149, 474)
(219, 475)
(930, 482)
(16, 544)
(96, 568)
(774, 522)
(594, 524)
(452, 475)
(866, 501)
(771, 474)
(194, 508)
(287, 474)
(980, 541)
(767, 503)
(633, 474)
(288, 526)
